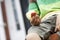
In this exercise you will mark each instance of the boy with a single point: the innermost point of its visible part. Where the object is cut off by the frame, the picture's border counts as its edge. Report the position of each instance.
(48, 18)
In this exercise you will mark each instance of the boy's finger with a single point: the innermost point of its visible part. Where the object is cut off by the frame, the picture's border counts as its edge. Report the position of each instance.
(56, 29)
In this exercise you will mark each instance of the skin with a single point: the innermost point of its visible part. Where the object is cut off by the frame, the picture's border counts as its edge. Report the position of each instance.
(58, 23)
(33, 36)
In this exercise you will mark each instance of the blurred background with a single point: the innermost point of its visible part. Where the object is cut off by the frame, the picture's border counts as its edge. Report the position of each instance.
(13, 22)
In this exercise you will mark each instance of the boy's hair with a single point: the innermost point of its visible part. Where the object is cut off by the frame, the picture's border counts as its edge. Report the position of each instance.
(35, 20)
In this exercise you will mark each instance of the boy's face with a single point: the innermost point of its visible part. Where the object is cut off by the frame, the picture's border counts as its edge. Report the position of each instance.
(35, 20)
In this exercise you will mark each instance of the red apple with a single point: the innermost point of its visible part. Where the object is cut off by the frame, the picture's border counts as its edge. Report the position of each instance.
(54, 37)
